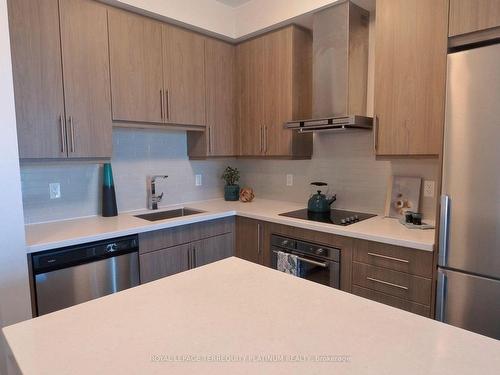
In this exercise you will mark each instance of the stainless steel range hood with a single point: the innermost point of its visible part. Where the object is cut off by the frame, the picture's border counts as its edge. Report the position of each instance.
(340, 70)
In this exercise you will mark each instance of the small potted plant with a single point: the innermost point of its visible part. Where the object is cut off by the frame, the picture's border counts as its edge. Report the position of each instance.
(232, 189)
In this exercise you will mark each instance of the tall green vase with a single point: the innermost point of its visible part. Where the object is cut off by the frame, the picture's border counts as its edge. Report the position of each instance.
(108, 192)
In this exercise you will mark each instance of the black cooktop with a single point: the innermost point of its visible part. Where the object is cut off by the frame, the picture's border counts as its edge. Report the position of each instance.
(337, 217)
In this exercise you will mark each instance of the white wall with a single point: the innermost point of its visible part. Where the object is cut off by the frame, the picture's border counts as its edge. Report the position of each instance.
(14, 289)
(209, 15)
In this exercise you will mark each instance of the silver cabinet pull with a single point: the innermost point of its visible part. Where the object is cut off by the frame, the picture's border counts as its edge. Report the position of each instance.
(265, 139)
(387, 283)
(388, 258)
(167, 104)
(258, 239)
(209, 139)
(63, 134)
(161, 104)
(313, 262)
(260, 140)
(72, 134)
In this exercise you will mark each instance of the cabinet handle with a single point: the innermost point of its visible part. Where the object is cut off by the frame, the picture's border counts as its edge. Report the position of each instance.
(375, 133)
(72, 134)
(261, 139)
(63, 134)
(209, 139)
(193, 257)
(265, 139)
(389, 258)
(258, 239)
(167, 104)
(387, 283)
(161, 104)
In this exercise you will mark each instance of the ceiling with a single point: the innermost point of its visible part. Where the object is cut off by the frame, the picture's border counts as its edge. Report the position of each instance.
(233, 3)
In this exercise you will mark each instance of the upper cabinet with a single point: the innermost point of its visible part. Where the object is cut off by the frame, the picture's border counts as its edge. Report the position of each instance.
(135, 51)
(157, 71)
(410, 76)
(467, 16)
(274, 74)
(184, 76)
(61, 78)
(220, 137)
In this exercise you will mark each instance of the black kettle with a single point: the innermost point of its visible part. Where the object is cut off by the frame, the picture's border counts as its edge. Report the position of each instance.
(319, 202)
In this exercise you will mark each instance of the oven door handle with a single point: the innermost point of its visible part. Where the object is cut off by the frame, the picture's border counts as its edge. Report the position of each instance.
(305, 260)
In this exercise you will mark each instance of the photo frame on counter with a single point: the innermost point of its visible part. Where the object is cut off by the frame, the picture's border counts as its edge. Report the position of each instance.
(403, 194)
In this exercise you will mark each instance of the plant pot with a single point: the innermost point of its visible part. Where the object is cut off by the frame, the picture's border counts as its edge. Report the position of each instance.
(232, 192)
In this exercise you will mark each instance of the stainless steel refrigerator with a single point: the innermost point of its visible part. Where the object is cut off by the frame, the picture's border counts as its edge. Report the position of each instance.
(468, 293)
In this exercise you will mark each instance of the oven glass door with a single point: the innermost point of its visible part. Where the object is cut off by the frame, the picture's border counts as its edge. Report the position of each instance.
(318, 270)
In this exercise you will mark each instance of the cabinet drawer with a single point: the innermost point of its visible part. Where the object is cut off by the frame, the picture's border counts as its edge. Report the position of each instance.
(158, 264)
(398, 284)
(160, 239)
(412, 261)
(392, 301)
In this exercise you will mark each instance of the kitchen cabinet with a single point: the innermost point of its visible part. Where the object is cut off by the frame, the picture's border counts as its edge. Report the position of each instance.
(157, 71)
(184, 76)
(135, 53)
(61, 78)
(212, 249)
(220, 136)
(251, 240)
(169, 251)
(410, 76)
(163, 263)
(274, 74)
(467, 16)
(393, 275)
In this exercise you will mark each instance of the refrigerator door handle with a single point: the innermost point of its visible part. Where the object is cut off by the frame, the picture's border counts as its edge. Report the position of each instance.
(444, 228)
(441, 295)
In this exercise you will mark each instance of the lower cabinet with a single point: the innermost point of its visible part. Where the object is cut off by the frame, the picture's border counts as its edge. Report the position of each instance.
(250, 240)
(169, 251)
(393, 275)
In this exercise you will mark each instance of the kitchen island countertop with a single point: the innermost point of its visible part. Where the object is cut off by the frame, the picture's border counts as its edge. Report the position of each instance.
(235, 317)
(56, 234)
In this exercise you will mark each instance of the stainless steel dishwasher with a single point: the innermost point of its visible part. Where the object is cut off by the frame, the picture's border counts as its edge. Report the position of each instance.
(72, 275)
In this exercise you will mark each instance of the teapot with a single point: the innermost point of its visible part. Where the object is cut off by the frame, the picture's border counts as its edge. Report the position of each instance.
(319, 202)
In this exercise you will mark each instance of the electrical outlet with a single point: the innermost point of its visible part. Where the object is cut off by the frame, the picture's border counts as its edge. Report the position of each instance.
(289, 180)
(429, 189)
(198, 181)
(55, 190)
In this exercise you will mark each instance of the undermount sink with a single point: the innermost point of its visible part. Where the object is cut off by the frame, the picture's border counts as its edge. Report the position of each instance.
(170, 214)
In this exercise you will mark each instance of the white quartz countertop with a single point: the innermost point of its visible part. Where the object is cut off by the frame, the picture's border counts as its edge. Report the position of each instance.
(56, 234)
(236, 317)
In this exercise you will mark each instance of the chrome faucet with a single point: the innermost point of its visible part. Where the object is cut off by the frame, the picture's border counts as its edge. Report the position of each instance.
(153, 198)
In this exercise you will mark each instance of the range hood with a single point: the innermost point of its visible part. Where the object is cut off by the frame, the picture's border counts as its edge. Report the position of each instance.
(340, 70)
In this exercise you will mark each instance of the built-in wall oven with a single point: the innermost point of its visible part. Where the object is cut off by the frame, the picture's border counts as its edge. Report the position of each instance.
(317, 263)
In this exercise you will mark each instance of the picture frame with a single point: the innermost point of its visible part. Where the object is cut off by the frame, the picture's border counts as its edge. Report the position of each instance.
(403, 194)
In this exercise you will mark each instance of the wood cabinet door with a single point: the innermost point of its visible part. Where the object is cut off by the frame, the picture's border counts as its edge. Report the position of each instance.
(213, 249)
(184, 76)
(85, 57)
(467, 16)
(220, 90)
(277, 91)
(410, 75)
(165, 262)
(38, 85)
(249, 239)
(250, 76)
(135, 52)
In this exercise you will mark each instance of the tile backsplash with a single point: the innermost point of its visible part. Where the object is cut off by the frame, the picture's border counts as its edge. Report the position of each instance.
(136, 154)
(344, 160)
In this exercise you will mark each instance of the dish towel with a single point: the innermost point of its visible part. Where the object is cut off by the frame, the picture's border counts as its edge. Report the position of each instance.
(288, 263)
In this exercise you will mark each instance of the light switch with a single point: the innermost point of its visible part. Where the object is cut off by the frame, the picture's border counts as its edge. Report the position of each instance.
(55, 190)
(289, 180)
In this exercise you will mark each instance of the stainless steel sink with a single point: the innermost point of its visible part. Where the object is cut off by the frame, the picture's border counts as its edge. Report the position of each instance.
(170, 214)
